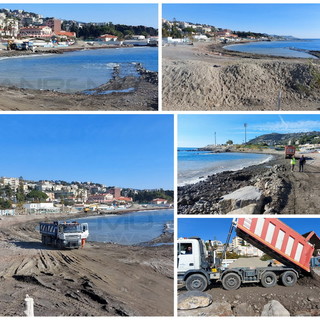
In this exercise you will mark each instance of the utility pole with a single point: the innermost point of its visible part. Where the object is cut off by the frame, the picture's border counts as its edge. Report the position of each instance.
(245, 133)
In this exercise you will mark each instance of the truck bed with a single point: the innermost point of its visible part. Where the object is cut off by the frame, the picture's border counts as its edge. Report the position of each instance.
(276, 239)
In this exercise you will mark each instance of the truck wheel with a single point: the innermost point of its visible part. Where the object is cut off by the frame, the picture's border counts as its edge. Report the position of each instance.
(269, 279)
(231, 281)
(196, 282)
(289, 279)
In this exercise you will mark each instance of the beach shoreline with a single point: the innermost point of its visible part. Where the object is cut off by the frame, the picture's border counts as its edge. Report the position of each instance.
(118, 94)
(282, 191)
(206, 77)
(75, 282)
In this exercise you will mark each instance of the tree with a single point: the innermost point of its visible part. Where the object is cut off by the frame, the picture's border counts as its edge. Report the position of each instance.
(5, 204)
(229, 142)
(20, 193)
(37, 195)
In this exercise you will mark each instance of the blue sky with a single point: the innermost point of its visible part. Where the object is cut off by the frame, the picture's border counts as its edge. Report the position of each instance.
(198, 130)
(299, 20)
(122, 150)
(218, 228)
(131, 14)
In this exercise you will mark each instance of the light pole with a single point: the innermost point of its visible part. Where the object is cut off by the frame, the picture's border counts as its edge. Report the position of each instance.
(215, 139)
(245, 133)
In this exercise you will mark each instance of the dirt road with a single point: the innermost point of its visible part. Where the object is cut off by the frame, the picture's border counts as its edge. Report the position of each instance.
(300, 300)
(98, 280)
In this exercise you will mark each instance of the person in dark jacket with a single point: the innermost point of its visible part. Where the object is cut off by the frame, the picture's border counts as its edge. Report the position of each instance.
(302, 161)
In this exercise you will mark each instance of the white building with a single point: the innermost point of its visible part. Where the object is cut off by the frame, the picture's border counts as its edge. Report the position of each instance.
(12, 182)
(44, 207)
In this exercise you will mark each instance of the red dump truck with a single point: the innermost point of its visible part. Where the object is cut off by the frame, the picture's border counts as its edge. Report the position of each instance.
(289, 151)
(197, 268)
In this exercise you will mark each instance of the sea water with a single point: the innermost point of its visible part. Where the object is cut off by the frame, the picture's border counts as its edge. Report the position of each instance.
(130, 228)
(194, 165)
(279, 48)
(74, 71)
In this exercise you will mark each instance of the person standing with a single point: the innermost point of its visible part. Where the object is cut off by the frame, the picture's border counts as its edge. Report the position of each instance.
(293, 163)
(302, 161)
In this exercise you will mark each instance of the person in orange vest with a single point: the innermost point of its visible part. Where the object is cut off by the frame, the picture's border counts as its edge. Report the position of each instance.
(293, 163)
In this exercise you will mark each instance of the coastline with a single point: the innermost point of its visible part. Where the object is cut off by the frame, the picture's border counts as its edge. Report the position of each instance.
(215, 150)
(280, 190)
(74, 282)
(206, 77)
(118, 94)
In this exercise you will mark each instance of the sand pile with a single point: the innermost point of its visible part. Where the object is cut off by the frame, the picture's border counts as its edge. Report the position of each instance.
(249, 84)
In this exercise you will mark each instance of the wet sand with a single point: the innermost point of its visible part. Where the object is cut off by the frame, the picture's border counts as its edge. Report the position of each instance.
(101, 279)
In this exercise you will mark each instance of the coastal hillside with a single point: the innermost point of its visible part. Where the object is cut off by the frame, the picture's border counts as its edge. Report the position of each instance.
(287, 138)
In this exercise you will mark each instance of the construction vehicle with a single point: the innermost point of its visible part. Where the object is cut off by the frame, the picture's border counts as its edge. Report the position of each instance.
(289, 151)
(64, 235)
(197, 268)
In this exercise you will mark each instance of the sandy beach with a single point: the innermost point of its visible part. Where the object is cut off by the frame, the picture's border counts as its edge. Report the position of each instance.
(206, 77)
(143, 97)
(101, 279)
(282, 191)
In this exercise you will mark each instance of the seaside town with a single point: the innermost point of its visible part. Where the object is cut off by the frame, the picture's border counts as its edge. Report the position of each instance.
(182, 32)
(20, 30)
(19, 196)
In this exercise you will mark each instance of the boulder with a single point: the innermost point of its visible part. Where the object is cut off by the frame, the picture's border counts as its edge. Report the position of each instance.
(194, 300)
(216, 309)
(243, 310)
(241, 198)
(274, 309)
(250, 209)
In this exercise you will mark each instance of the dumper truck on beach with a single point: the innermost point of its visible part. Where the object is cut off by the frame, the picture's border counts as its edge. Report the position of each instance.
(63, 234)
(289, 151)
(197, 268)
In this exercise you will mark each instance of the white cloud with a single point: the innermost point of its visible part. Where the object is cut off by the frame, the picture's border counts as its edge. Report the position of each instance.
(287, 126)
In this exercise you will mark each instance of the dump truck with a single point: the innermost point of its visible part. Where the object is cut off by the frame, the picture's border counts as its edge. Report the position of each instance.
(63, 234)
(289, 151)
(197, 268)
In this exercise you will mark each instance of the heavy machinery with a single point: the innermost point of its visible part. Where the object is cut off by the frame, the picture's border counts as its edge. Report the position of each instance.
(63, 234)
(197, 268)
(289, 151)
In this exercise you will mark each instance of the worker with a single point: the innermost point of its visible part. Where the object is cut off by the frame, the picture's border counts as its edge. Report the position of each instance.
(302, 161)
(189, 250)
(293, 162)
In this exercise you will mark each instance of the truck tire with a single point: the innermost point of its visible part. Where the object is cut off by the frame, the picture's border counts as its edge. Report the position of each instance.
(196, 282)
(289, 278)
(231, 281)
(269, 279)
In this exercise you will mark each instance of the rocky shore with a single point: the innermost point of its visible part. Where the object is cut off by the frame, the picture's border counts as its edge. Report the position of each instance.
(99, 280)
(269, 188)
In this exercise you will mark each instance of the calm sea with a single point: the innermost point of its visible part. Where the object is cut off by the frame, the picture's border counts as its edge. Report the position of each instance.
(131, 228)
(74, 71)
(194, 166)
(279, 48)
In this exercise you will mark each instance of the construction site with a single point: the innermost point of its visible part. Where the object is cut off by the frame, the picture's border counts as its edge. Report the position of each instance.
(91, 279)
(283, 281)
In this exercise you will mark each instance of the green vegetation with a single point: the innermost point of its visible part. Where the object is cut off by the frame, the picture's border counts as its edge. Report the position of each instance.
(247, 34)
(37, 196)
(93, 31)
(229, 142)
(144, 196)
(5, 204)
(265, 257)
